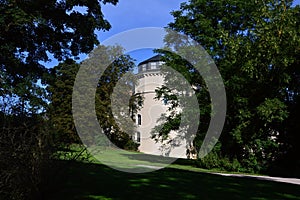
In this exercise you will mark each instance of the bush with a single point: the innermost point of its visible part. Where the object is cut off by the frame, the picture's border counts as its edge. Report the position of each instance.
(131, 145)
(210, 161)
(214, 161)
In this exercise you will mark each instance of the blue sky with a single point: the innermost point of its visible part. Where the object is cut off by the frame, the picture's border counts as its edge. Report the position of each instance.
(297, 2)
(133, 14)
(130, 14)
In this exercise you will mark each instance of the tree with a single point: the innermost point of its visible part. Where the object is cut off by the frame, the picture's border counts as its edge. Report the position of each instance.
(60, 109)
(31, 31)
(115, 102)
(117, 76)
(255, 45)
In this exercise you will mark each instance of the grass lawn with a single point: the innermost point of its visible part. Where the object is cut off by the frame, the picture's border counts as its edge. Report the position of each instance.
(97, 181)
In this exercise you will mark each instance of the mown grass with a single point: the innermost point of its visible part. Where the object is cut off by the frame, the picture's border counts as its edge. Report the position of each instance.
(94, 180)
(129, 159)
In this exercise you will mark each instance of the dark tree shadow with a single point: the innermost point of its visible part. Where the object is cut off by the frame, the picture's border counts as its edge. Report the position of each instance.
(96, 181)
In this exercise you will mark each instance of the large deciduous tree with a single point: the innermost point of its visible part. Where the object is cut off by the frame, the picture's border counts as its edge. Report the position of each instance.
(116, 81)
(256, 46)
(30, 32)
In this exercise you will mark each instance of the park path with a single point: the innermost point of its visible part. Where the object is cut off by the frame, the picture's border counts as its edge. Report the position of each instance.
(267, 178)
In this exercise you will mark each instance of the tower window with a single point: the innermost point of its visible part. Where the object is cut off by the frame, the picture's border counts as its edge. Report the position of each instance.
(153, 65)
(139, 119)
(138, 137)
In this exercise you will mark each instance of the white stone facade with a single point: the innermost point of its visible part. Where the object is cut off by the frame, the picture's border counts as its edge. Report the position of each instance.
(150, 78)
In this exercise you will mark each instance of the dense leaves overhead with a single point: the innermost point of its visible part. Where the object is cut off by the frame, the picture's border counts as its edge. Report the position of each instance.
(29, 30)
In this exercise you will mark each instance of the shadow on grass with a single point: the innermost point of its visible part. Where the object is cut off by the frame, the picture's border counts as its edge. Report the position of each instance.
(96, 181)
(160, 159)
(149, 158)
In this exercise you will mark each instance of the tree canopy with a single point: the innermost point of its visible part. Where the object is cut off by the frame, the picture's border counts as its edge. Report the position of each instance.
(110, 105)
(256, 46)
(30, 31)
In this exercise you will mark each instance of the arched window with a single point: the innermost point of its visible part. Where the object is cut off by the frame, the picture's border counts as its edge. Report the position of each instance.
(139, 119)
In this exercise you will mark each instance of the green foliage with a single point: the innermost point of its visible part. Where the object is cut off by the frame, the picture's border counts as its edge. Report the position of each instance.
(31, 32)
(255, 45)
(130, 145)
(61, 90)
(272, 110)
(60, 110)
(115, 84)
(171, 93)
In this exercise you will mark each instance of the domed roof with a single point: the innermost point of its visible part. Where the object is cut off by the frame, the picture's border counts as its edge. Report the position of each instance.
(152, 59)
